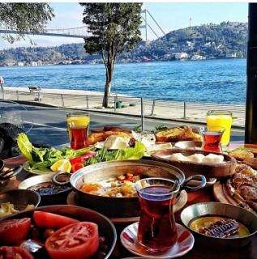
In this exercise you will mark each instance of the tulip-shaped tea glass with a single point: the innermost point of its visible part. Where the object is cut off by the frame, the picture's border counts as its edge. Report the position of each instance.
(212, 138)
(77, 125)
(157, 230)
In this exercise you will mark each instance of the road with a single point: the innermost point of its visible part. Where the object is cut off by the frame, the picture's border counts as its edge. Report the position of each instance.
(47, 125)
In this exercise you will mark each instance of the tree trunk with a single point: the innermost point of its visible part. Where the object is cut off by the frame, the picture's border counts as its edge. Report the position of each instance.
(108, 75)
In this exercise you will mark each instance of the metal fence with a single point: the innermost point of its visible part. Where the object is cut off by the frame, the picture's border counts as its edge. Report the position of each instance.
(120, 104)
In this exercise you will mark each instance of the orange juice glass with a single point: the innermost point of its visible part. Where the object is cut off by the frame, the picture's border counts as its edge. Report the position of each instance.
(218, 118)
(78, 126)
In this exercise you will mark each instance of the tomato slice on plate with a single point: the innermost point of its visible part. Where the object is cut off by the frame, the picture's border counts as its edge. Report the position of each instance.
(51, 220)
(76, 241)
(14, 252)
(14, 231)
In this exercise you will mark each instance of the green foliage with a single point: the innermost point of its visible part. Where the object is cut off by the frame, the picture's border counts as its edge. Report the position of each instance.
(114, 28)
(23, 17)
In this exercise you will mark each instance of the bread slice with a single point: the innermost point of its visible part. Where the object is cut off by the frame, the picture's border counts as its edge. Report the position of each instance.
(169, 135)
(177, 134)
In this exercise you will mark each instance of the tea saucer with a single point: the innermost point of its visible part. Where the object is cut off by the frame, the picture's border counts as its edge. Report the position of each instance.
(184, 244)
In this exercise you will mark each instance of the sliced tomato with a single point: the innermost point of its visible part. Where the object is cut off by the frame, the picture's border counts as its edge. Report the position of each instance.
(76, 241)
(14, 231)
(14, 252)
(44, 219)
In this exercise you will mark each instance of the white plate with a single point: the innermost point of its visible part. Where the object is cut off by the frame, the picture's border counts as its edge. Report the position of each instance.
(184, 244)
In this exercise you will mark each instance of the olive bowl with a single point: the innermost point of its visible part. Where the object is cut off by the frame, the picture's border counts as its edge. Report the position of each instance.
(48, 197)
(241, 215)
(119, 207)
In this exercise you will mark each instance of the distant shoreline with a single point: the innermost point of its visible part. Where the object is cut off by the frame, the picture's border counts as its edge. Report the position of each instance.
(119, 62)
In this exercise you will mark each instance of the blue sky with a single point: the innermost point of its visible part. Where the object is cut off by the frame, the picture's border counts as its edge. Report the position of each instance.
(169, 15)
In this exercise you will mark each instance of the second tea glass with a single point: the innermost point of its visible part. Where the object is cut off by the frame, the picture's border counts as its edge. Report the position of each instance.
(212, 138)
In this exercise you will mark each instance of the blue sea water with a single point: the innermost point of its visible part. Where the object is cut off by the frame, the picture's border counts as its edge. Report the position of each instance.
(220, 81)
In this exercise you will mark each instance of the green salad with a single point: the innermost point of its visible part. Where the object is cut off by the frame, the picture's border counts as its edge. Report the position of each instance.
(42, 158)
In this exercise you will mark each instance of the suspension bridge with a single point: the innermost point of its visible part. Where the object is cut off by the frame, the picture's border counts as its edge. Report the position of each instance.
(149, 24)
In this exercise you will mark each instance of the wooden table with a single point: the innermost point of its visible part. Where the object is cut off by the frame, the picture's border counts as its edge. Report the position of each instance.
(198, 252)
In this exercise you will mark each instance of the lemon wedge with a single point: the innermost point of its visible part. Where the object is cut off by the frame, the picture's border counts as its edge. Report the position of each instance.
(62, 165)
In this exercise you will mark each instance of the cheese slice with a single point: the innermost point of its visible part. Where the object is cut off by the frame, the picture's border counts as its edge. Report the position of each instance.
(116, 142)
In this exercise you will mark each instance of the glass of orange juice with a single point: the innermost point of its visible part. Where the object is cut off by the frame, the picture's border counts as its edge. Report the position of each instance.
(78, 126)
(218, 118)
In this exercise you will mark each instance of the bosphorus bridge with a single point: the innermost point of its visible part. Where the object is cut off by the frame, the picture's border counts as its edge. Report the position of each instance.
(148, 24)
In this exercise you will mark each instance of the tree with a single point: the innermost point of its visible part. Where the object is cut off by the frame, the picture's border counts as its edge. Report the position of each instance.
(24, 17)
(114, 28)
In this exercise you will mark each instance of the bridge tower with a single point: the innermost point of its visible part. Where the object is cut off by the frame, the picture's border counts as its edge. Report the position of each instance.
(145, 17)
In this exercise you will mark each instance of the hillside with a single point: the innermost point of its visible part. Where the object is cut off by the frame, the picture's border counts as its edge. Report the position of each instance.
(225, 40)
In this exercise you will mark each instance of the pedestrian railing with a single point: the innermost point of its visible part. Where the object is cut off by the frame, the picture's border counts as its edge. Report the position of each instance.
(121, 104)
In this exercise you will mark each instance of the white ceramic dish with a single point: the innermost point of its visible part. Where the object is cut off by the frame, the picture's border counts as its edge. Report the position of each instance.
(184, 244)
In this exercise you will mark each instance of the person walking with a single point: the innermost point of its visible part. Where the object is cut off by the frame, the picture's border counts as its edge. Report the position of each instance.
(2, 85)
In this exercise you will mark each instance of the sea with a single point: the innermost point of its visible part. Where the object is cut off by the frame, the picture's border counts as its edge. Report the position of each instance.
(221, 81)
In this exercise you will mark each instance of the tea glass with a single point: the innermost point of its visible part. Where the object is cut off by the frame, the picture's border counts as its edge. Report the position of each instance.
(212, 138)
(219, 118)
(157, 231)
(78, 127)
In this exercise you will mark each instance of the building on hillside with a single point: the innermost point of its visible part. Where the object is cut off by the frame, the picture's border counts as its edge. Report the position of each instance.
(198, 57)
(20, 64)
(181, 56)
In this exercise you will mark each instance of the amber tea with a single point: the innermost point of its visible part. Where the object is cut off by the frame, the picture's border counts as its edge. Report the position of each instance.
(157, 228)
(212, 139)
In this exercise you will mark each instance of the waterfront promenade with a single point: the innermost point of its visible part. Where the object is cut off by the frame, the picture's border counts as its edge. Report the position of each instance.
(121, 104)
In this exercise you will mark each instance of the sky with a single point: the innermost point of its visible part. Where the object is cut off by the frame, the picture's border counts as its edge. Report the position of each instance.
(169, 15)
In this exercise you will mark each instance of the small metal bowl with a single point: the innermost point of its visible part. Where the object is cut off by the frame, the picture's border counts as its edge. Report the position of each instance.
(48, 198)
(243, 216)
(20, 198)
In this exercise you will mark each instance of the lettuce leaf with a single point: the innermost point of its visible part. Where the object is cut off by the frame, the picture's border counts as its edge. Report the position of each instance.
(104, 155)
(25, 146)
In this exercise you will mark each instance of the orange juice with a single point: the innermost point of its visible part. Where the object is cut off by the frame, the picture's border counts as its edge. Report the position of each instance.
(220, 119)
(77, 125)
